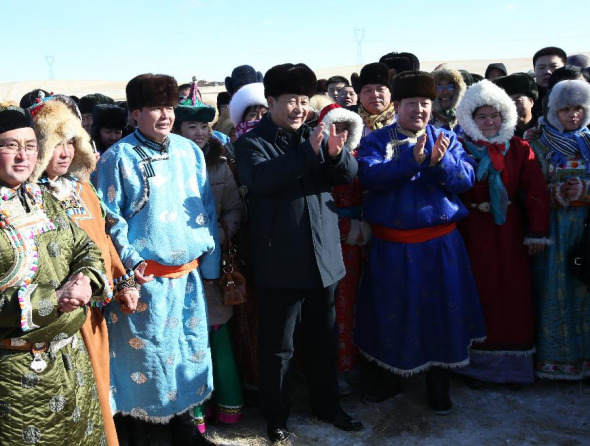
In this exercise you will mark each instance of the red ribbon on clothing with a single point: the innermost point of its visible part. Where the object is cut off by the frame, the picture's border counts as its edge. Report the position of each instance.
(496, 151)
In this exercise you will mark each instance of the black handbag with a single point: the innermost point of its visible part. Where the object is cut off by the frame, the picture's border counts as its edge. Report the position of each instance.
(579, 256)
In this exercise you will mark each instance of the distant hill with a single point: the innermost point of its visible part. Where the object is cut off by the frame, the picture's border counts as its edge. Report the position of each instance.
(13, 91)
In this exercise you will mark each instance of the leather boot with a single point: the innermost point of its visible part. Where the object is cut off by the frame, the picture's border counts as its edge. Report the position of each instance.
(139, 432)
(439, 392)
(377, 383)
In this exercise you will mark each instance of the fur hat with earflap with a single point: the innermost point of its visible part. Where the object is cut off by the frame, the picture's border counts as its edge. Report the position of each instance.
(54, 124)
(333, 114)
(567, 94)
(483, 93)
(444, 72)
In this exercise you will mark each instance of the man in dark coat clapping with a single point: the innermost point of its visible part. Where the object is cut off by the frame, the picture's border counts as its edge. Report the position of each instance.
(289, 171)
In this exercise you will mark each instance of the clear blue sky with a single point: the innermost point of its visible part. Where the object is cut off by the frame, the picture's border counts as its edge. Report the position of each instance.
(116, 40)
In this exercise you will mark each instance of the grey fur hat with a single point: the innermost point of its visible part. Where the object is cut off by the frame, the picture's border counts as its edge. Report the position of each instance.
(483, 93)
(565, 94)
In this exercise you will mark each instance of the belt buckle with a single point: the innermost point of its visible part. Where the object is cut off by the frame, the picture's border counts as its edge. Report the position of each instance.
(484, 207)
(38, 364)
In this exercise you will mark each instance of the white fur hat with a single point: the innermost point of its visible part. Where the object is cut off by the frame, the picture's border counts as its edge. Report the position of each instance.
(568, 93)
(250, 94)
(333, 113)
(487, 93)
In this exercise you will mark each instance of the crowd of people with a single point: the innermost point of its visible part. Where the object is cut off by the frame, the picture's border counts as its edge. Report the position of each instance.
(402, 222)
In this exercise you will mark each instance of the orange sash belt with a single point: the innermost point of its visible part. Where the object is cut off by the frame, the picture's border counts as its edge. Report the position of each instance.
(170, 272)
(411, 235)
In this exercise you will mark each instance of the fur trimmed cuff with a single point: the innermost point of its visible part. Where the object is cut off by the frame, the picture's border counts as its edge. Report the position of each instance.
(559, 200)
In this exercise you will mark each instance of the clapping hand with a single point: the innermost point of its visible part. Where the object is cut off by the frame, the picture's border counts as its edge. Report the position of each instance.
(440, 148)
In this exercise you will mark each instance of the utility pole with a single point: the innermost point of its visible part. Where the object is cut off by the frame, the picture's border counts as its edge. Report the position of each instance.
(359, 34)
(50, 60)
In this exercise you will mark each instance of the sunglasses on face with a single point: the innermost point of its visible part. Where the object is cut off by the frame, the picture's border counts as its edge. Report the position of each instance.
(441, 88)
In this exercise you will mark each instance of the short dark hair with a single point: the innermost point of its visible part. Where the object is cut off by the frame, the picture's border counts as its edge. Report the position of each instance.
(337, 79)
(565, 73)
(550, 51)
(183, 86)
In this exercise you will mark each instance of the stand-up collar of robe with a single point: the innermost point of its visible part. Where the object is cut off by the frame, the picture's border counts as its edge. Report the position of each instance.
(151, 144)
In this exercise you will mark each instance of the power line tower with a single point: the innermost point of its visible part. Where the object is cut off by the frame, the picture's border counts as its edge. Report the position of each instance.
(50, 60)
(359, 34)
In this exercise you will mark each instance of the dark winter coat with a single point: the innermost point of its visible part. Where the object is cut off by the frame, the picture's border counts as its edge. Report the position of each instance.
(293, 223)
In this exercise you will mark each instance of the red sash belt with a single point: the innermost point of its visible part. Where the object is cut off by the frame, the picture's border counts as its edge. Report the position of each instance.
(24, 345)
(411, 235)
(170, 272)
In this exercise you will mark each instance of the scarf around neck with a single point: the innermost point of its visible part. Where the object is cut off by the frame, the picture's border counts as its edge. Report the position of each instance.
(244, 127)
(447, 117)
(564, 144)
(492, 166)
(380, 120)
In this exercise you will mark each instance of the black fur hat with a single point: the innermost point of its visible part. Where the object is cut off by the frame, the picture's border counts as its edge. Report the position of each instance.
(400, 62)
(411, 84)
(373, 73)
(88, 102)
(151, 90)
(518, 83)
(223, 98)
(290, 78)
(240, 76)
(108, 116)
(12, 118)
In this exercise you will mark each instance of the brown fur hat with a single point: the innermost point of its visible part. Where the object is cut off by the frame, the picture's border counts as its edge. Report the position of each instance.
(289, 78)
(373, 73)
(151, 90)
(56, 123)
(412, 84)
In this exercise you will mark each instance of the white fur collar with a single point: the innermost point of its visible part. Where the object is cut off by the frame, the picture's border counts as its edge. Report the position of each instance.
(62, 188)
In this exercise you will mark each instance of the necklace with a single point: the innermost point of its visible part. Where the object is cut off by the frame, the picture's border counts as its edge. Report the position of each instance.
(22, 229)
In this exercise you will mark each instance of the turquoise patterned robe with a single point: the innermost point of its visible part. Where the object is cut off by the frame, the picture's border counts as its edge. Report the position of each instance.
(160, 207)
